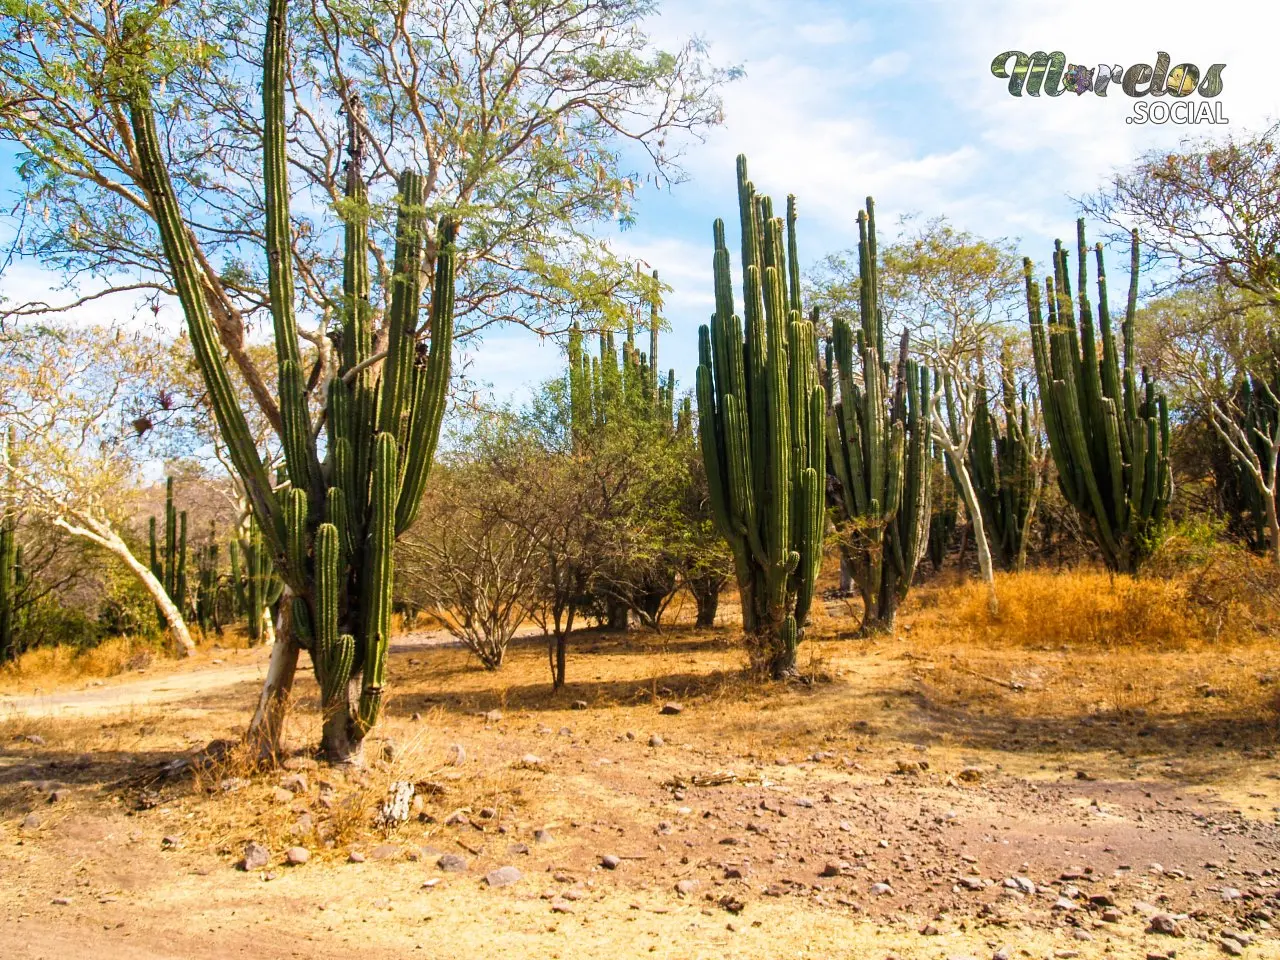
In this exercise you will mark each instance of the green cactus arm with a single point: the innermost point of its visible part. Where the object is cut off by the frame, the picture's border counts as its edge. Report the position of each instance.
(428, 412)
(402, 313)
(378, 577)
(295, 518)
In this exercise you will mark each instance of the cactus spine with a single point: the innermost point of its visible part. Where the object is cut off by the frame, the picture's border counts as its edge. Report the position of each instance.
(880, 449)
(1004, 464)
(1108, 436)
(760, 410)
(382, 420)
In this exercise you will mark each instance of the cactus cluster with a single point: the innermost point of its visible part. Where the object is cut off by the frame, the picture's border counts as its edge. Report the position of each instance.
(169, 556)
(1260, 421)
(606, 387)
(208, 582)
(331, 527)
(761, 412)
(1004, 464)
(255, 585)
(1109, 436)
(878, 438)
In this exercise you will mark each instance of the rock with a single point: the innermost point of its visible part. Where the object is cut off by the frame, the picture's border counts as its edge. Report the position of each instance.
(355, 856)
(1001, 954)
(834, 869)
(281, 795)
(610, 862)
(31, 821)
(1063, 904)
(970, 774)
(518, 849)
(456, 819)
(1230, 947)
(1111, 915)
(457, 755)
(452, 863)
(301, 763)
(384, 851)
(416, 717)
(1022, 885)
(171, 842)
(390, 750)
(32, 738)
(296, 783)
(542, 835)
(66, 902)
(672, 708)
(732, 904)
(1229, 893)
(297, 856)
(531, 761)
(881, 890)
(686, 887)
(57, 796)
(1163, 923)
(502, 877)
(232, 784)
(492, 716)
(929, 930)
(1081, 934)
(972, 883)
(256, 856)
(575, 893)
(656, 741)
(1240, 937)
(560, 905)
(578, 705)
(735, 873)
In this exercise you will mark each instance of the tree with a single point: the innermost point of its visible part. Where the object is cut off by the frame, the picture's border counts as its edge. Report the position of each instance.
(1218, 345)
(73, 397)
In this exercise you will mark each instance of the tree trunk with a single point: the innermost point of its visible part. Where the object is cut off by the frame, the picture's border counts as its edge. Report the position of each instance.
(1273, 521)
(881, 610)
(267, 728)
(561, 658)
(706, 594)
(961, 473)
(617, 615)
(95, 531)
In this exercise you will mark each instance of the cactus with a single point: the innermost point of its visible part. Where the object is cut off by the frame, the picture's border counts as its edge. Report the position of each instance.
(256, 587)
(1258, 404)
(169, 558)
(942, 522)
(208, 583)
(1004, 464)
(760, 411)
(10, 559)
(1109, 437)
(880, 449)
(382, 422)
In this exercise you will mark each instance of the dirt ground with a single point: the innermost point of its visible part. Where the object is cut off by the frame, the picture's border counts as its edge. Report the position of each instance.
(920, 797)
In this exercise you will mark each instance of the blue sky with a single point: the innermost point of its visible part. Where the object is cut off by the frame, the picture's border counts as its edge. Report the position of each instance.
(895, 99)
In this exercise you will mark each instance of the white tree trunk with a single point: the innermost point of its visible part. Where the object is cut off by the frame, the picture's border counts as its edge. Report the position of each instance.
(979, 532)
(267, 728)
(97, 531)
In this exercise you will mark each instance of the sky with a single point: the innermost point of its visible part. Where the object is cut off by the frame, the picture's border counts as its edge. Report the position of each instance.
(895, 99)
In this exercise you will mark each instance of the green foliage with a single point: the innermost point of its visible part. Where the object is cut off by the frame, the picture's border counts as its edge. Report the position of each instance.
(169, 557)
(880, 449)
(761, 422)
(1109, 438)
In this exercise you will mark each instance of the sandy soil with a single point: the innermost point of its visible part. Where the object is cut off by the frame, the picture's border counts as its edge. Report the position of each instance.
(749, 824)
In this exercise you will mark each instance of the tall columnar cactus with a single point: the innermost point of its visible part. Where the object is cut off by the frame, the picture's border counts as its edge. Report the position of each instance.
(10, 558)
(257, 587)
(761, 420)
(880, 449)
(1109, 436)
(208, 583)
(1005, 466)
(169, 557)
(381, 414)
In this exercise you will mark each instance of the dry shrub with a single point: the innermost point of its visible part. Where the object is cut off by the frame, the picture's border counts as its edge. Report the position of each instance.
(62, 663)
(1084, 608)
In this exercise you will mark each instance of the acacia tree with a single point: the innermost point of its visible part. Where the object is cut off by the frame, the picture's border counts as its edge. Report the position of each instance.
(73, 398)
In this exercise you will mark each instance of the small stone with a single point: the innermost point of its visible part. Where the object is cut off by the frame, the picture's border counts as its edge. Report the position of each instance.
(610, 862)
(502, 877)
(296, 783)
(31, 821)
(281, 795)
(390, 750)
(542, 835)
(575, 893)
(452, 863)
(686, 887)
(672, 708)
(656, 741)
(256, 856)
(1163, 923)
(171, 842)
(531, 761)
(970, 774)
(1229, 893)
(1001, 954)
(578, 705)
(1111, 915)
(881, 890)
(385, 851)
(355, 856)
(415, 717)
(457, 755)
(1062, 903)
(561, 905)
(929, 930)
(66, 902)
(834, 869)
(735, 873)
(1230, 947)
(1082, 934)
(301, 763)
(492, 716)
(297, 856)
(518, 849)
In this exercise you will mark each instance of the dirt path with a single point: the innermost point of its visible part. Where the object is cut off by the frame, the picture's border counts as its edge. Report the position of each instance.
(173, 686)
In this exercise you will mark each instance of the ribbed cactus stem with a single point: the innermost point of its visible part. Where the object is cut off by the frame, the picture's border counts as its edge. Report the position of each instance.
(761, 426)
(1109, 439)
